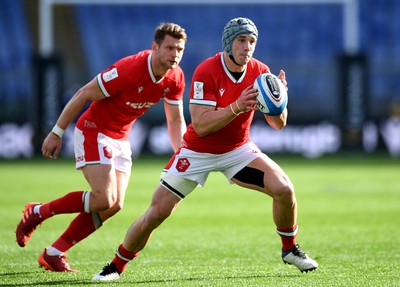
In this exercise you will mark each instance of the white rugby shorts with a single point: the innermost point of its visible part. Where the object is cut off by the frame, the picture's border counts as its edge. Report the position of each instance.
(96, 148)
(188, 168)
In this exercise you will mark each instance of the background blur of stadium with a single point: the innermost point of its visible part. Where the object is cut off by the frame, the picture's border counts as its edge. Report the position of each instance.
(344, 88)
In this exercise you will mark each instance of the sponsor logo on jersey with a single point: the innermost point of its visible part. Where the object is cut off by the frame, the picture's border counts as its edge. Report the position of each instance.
(198, 90)
(140, 89)
(146, 105)
(110, 75)
(221, 91)
(89, 124)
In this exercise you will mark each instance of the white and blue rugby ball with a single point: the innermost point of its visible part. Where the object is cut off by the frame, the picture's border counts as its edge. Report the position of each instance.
(272, 94)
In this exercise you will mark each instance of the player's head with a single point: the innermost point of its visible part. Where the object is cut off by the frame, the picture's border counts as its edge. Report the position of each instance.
(235, 27)
(168, 47)
(171, 29)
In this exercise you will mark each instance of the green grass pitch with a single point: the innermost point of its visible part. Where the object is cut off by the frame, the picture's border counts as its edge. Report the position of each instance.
(221, 235)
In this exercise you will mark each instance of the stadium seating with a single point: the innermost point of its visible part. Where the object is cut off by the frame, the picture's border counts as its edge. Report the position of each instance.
(15, 50)
(306, 44)
(305, 40)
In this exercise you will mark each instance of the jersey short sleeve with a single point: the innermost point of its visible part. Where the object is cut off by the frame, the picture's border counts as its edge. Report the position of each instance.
(175, 97)
(202, 92)
(115, 78)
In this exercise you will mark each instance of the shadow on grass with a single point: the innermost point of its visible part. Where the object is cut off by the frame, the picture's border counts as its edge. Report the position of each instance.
(211, 279)
(72, 282)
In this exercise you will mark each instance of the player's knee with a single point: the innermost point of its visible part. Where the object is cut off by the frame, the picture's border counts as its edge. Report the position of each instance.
(155, 216)
(100, 201)
(285, 192)
(159, 215)
(104, 204)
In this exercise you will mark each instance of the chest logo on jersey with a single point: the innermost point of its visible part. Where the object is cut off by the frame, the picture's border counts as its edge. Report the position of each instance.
(140, 89)
(166, 90)
(146, 105)
(221, 91)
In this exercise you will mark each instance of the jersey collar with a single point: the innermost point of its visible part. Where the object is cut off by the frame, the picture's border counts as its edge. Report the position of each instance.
(229, 73)
(153, 78)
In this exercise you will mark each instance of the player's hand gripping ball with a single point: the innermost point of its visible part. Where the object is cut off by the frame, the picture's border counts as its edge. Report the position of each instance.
(272, 94)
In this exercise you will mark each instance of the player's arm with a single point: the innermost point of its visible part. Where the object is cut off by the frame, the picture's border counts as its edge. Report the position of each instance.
(206, 119)
(176, 124)
(279, 122)
(90, 92)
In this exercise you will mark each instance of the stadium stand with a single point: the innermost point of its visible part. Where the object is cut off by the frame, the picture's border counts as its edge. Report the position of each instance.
(15, 53)
(305, 40)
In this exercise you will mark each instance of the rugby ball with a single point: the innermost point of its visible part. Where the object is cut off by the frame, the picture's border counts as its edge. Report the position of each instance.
(272, 94)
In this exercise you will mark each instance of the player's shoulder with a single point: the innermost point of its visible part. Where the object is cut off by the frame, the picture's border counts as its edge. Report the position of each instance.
(210, 64)
(141, 56)
(214, 60)
(257, 66)
(132, 65)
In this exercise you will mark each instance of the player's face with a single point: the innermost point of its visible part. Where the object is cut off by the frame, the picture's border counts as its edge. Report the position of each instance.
(170, 52)
(243, 48)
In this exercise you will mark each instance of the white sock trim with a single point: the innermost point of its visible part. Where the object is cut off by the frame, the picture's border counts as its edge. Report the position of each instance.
(53, 251)
(86, 201)
(121, 256)
(288, 234)
(36, 209)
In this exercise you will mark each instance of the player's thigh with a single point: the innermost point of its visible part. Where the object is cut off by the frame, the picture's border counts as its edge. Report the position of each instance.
(117, 203)
(163, 202)
(101, 178)
(274, 178)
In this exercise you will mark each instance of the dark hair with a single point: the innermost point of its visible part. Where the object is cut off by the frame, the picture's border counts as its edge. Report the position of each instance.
(171, 29)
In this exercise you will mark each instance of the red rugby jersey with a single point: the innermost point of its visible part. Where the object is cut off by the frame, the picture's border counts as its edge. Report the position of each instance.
(213, 85)
(130, 89)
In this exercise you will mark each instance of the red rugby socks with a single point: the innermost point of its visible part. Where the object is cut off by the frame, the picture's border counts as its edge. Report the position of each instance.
(288, 237)
(81, 227)
(122, 258)
(70, 203)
